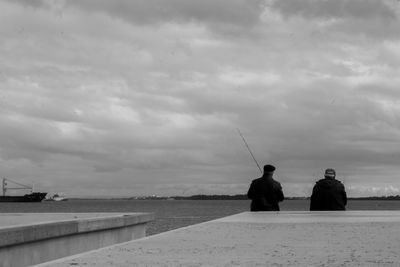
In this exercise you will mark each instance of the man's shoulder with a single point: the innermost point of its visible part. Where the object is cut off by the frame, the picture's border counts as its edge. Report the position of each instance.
(339, 184)
(319, 182)
(328, 183)
(322, 183)
(269, 181)
(276, 184)
(257, 180)
(275, 181)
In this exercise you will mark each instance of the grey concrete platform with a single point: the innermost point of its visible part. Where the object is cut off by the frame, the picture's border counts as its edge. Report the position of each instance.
(340, 238)
(32, 238)
(19, 219)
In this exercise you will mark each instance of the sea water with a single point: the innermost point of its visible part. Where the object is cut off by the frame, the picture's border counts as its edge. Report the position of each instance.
(172, 214)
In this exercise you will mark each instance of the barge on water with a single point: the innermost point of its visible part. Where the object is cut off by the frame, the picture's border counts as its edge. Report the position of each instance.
(32, 197)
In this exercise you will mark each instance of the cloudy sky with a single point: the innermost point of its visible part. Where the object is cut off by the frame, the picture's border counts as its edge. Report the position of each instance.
(125, 98)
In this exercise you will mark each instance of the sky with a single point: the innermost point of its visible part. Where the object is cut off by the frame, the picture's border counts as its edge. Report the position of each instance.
(132, 98)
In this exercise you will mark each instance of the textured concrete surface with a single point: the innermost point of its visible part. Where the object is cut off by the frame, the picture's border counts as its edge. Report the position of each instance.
(37, 238)
(31, 227)
(20, 219)
(350, 238)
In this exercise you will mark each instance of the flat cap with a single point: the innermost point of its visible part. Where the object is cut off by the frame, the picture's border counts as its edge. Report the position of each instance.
(269, 168)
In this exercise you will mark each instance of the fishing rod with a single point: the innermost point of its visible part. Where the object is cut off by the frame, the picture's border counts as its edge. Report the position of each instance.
(248, 148)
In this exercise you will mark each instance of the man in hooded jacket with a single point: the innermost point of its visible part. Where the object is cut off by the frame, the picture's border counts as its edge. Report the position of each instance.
(265, 192)
(328, 193)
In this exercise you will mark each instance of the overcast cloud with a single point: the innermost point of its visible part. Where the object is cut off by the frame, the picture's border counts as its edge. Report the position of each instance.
(123, 98)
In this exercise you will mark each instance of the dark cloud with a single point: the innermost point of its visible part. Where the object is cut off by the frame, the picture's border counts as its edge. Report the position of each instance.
(377, 30)
(236, 16)
(337, 9)
(235, 12)
(345, 18)
(30, 3)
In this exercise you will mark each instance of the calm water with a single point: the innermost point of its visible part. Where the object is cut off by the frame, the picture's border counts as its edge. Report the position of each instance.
(172, 214)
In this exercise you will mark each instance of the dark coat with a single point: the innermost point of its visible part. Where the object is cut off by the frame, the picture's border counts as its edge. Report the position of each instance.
(328, 194)
(265, 193)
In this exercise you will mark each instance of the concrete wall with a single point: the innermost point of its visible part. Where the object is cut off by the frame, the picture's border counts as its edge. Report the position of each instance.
(41, 242)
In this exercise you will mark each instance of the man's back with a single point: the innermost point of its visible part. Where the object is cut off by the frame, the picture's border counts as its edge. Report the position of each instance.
(328, 194)
(265, 194)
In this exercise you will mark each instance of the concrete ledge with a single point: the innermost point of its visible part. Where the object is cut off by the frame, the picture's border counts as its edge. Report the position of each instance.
(36, 238)
(329, 217)
(335, 238)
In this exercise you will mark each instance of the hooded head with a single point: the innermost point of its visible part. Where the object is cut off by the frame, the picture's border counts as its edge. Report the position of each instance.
(330, 173)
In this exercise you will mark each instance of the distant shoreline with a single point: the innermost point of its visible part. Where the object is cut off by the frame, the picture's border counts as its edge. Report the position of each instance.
(224, 197)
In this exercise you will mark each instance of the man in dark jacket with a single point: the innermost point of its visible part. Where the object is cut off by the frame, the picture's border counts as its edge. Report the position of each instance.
(328, 193)
(265, 192)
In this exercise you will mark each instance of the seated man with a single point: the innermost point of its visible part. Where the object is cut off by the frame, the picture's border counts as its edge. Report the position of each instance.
(265, 192)
(328, 193)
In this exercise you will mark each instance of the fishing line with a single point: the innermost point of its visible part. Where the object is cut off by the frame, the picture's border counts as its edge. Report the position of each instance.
(248, 148)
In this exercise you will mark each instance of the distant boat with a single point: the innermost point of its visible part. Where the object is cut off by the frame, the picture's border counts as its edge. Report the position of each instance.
(56, 197)
(32, 197)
